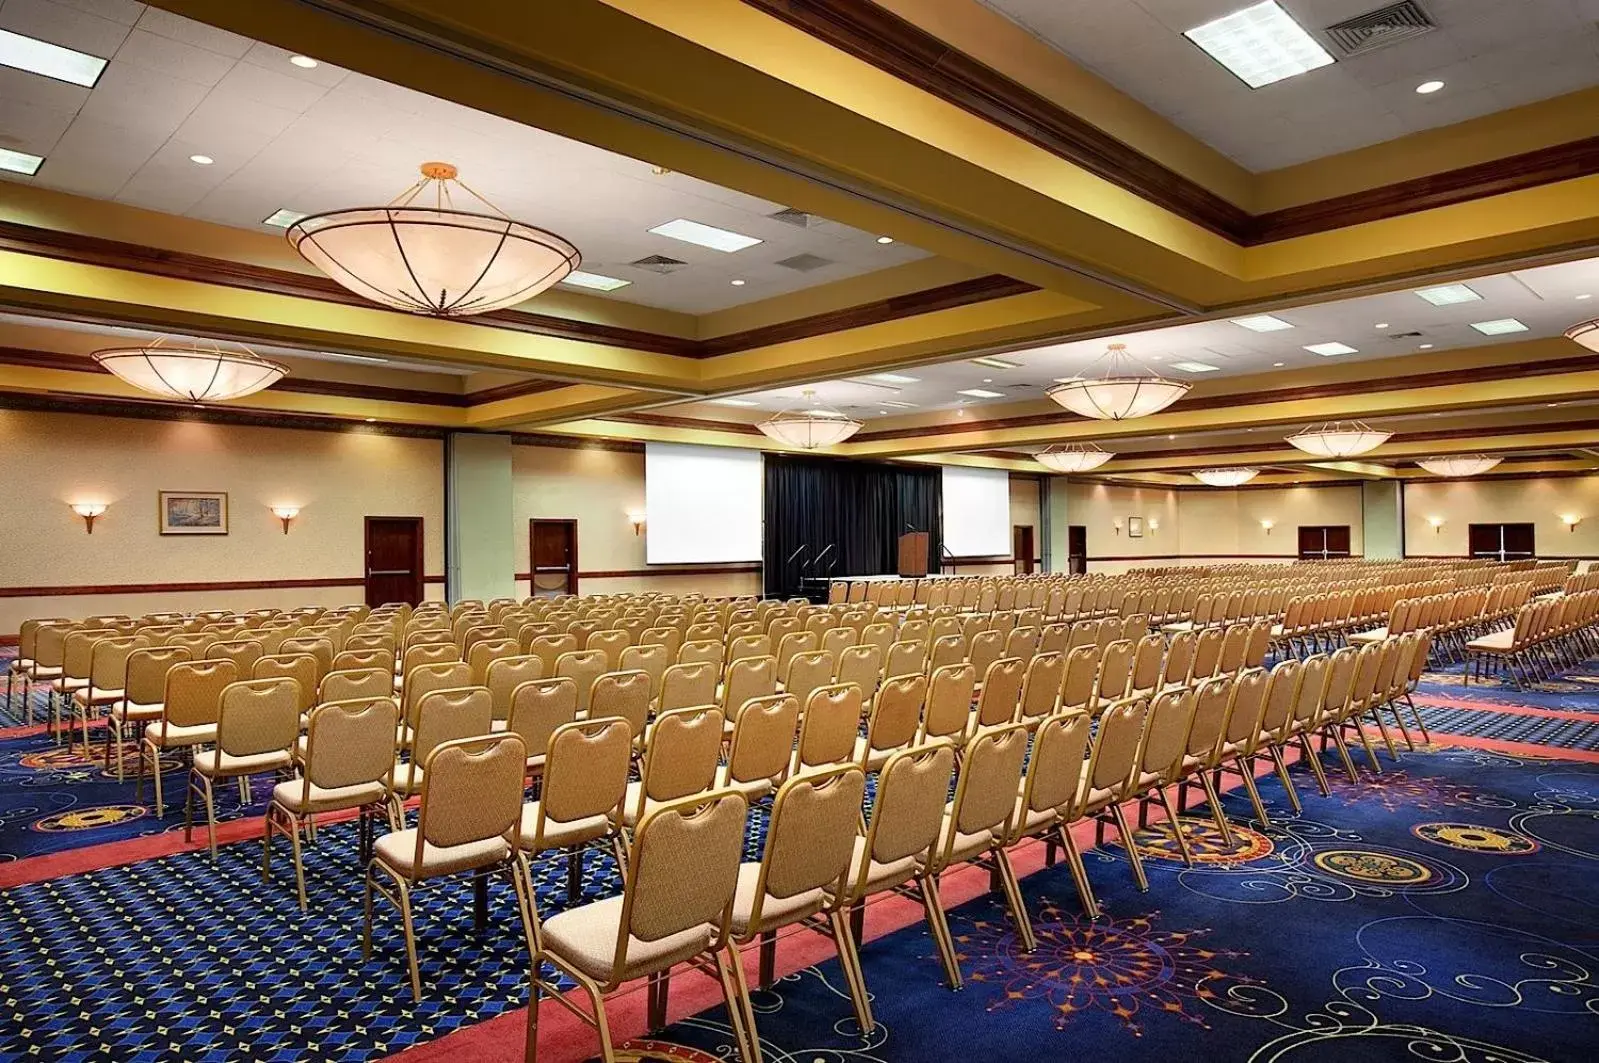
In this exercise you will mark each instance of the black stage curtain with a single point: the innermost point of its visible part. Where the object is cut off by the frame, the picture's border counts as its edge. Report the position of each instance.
(826, 516)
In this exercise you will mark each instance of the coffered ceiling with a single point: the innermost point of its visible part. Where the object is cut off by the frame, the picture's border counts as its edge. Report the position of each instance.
(1491, 55)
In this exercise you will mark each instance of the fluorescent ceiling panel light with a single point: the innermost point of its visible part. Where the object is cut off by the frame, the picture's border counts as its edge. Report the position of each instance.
(1261, 44)
(49, 60)
(1262, 323)
(20, 162)
(901, 405)
(1499, 326)
(996, 363)
(1196, 367)
(1327, 350)
(598, 281)
(283, 217)
(1448, 294)
(893, 378)
(693, 232)
(734, 402)
(982, 393)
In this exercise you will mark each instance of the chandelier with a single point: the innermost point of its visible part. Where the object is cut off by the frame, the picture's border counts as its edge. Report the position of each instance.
(1225, 477)
(811, 427)
(1460, 464)
(1586, 334)
(1073, 457)
(1339, 439)
(194, 372)
(434, 258)
(1123, 389)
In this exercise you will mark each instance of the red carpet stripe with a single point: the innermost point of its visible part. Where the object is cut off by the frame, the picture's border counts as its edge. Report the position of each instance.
(1436, 702)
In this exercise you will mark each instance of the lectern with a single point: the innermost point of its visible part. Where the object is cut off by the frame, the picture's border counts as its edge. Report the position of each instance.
(913, 554)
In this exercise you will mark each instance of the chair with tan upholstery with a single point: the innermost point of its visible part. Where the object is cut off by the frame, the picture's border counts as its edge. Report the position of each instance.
(950, 690)
(583, 667)
(482, 654)
(349, 751)
(549, 648)
(830, 721)
(611, 643)
(582, 794)
(1171, 713)
(1049, 792)
(503, 675)
(808, 671)
(257, 723)
(764, 731)
(1241, 732)
(1212, 700)
(108, 676)
(687, 685)
(1040, 695)
(144, 693)
(352, 683)
(242, 652)
(863, 666)
(439, 716)
(685, 746)
(893, 721)
(999, 695)
(538, 707)
(318, 647)
(625, 695)
(652, 659)
(467, 822)
(1110, 775)
(422, 681)
(676, 907)
(190, 705)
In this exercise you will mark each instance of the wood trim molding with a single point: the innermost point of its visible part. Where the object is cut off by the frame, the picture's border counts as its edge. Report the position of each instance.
(911, 54)
(78, 589)
(1198, 557)
(153, 410)
(666, 420)
(663, 570)
(543, 439)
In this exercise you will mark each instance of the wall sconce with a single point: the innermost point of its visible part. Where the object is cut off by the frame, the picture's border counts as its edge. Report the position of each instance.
(1268, 524)
(1117, 524)
(1571, 520)
(88, 511)
(1154, 525)
(637, 520)
(285, 514)
(1437, 524)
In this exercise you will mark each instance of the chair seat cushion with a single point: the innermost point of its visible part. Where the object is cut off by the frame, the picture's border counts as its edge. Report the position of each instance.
(133, 710)
(1026, 822)
(216, 762)
(181, 736)
(965, 845)
(752, 789)
(775, 911)
(1094, 798)
(880, 876)
(586, 938)
(292, 795)
(1498, 641)
(398, 850)
(559, 834)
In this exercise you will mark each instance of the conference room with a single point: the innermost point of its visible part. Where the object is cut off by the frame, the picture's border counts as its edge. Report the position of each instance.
(741, 530)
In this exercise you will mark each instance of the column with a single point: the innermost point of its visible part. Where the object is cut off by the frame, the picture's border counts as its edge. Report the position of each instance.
(1056, 521)
(1382, 504)
(480, 554)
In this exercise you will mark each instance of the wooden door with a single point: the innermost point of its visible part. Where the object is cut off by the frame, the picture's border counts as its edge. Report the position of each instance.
(393, 560)
(1077, 548)
(1519, 543)
(1323, 540)
(1312, 541)
(1502, 542)
(552, 550)
(1022, 548)
(1337, 540)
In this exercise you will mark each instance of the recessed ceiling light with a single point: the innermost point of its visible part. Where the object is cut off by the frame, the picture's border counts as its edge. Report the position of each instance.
(49, 60)
(734, 402)
(737, 283)
(988, 380)
(1260, 44)
(885, 239)
(1424, 346)
(1196, 367)
(1448, 294)
(1327, 350)
(1262, 323)
(201, 160)
(597, 281)
(304, 62)
(283, 217)
(371, 420)
(883, 412)
(1278, 365)
(1498, 326)
(981, 393)
(996, 363)
(893, 378)
(1585, 295)
(1427, 88)
(20, 162)
(1380, 324)
(693, 232)
(901, 405)
(1172, 436)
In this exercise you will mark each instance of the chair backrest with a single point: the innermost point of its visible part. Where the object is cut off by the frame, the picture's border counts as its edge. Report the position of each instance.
(316, 646)
(653, 659)
(376, 657)
(446, 715)
(350, 742)
(1166, 733)
(194, 691)
(1000, 697)
(685, 685)
(584, 667)
(611, 642)
(483, 653)
(985, 793)
(1115, 670)
(108, 661)
(258, 716)
(302, 668)
(986, 648)
(1212, 699)
(1115, 755)
(354, 683)
(621, 694)
(949, 701)
(896, 715)
(682, 873)
(863, 666)
(1041, 687)
(908, 811)
(684, 748)
(1080, 677)
(903, 658)
(1249, 703)
(1055, 769)
(764, 730)
(471, 791)
(585, 772)
(1148, 655)
(1281, 692)
(1308, 691)
(829, 724)
(810, 837)
(1207, 653)
(242, 652)
(426, 678)
(146, 682)
(807, 671)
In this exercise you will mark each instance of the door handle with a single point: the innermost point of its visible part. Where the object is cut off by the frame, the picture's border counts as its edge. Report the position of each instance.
(388, 572)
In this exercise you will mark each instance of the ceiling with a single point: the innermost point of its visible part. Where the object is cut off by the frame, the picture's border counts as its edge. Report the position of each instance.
(1546, 299)
(1490, 54)
(284, 137)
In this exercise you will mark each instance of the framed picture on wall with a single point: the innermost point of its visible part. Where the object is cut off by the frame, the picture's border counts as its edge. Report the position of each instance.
(193, 512)
(1135, 527)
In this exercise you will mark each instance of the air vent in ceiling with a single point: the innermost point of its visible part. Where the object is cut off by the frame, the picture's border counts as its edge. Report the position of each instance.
(1380, 28)
(659, 264)
(1405, 335)
(804, 263)
(797, 218)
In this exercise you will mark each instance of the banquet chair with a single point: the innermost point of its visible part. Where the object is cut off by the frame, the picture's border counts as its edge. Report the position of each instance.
(949, 702)
(761, 747)
(999, 696)
(830, 719)
(1110, 775)
(143, 695)
(257, 723)
(439, 716)
(583, 667)
(1049, 792)
(687, 685)
(680, 759)
(582, 796)
(190, 703)
(892, 721)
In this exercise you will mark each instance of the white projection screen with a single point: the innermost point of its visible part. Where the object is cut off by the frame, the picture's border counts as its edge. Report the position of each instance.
(977, 512)
(701, 504)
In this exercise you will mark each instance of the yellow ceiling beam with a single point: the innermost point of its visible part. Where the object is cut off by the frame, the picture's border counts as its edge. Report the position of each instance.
(557, 405)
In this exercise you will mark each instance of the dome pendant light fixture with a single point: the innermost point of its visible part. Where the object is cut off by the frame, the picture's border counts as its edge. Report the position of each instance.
(1586, 333)
(1339, 439)
(1225, 477)
(1120, 389)
(812, 427)
(1457, 465)
(193, 372)
(434, 258)
(1073, 457)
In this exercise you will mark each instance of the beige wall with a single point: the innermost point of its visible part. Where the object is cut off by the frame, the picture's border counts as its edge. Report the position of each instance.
(598, 488)
(48, 461)
(1541, 501)
(1098, 506)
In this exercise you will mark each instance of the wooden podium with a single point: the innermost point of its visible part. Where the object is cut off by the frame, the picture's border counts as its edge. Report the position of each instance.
(913, 554)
